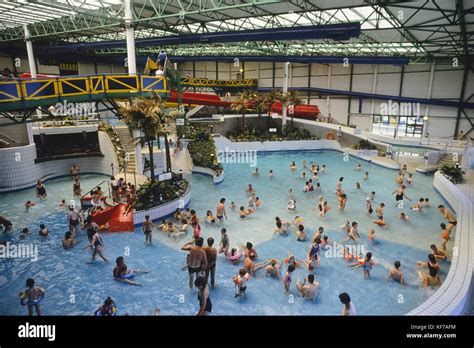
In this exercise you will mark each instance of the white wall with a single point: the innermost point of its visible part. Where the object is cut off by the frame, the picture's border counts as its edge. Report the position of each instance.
(447, 82)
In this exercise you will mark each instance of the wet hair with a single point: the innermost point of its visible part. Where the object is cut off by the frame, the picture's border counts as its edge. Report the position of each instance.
(422, 199)
(291, 268)
(382, 204)
(242, 207)
(301, 228)
(345, 299)
(440, 206)
(373, 192)
(30, 282)
(242, 272)
(199, 241)
(108, 302)
(278, 224)
(210, 241)
(311, 278)
(208, 213)
(200, 281)
(325, 238)
(147, 217)
(223, 230)
(222, 200)
(354, 223)
(427, 199)
(193, 212)
(341, 178)
(321, 229)
(25, 230)
(277, 219)
(397, 264)
(112, 178)
(67, 235)
(368, 256)
(317, 240)
(432, 246)
(249, 245)
(433, 272)
(432, 258)
(42, 226)
(232, 252)
(443, 225)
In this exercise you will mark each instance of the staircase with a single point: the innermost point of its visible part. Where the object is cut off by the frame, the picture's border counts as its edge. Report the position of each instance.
(128, 145)
(447, 159)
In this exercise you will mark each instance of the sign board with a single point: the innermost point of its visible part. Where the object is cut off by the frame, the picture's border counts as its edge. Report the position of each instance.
(272, 130)
(164, 176)
(180, 121)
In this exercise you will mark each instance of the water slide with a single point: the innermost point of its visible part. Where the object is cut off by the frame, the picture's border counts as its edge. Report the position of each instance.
(300, 111)
(114, 216)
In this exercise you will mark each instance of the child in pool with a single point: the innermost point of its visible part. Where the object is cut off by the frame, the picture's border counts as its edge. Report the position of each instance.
(210, 218)
(32, 295)
(255, 172)
(270, 173)
(258, 202)
(367, 263)
(303, 175)
(445, 235)
(403, 217)
(291, 205)
(366, 176)
(293, 165)
(371, 235)
(287, 278)
(29, 204)
(357, 186)
(244, 213)
(298, 221)
(62, 204)
(273, 269)
(358, 167)
(241, 282)
(300, 234)
(418, 206)
(427, 203)
(43, 232)
(232, 205)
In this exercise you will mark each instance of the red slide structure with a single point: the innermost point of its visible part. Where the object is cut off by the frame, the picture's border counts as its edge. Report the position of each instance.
(309, 112)
(114, 216)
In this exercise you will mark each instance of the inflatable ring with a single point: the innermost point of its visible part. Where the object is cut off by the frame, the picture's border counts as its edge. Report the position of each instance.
(129, 275)
(330, 136)
(25, 302)
(236, 256)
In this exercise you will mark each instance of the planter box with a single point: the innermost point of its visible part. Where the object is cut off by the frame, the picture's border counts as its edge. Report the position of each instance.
(163, 211)
(209, 172)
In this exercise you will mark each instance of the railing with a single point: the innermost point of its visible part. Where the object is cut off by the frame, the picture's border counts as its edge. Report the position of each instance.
(92, 190)
(41, 91)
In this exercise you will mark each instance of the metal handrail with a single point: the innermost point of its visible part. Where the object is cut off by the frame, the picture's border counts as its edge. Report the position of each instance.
(90, 191)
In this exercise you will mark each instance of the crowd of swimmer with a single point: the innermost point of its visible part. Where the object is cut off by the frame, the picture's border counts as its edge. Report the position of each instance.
(201, 260)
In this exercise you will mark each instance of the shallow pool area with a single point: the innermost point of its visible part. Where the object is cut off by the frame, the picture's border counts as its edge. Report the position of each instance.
(74, 287)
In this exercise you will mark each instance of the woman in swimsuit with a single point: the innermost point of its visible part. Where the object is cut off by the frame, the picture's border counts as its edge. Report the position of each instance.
(97, 245)
(205, 304)
(431, 278)
(400, 193)
(287, 278)
(40, 190)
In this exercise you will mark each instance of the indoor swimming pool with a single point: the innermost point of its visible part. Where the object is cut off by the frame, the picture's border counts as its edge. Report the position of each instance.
(74, 287)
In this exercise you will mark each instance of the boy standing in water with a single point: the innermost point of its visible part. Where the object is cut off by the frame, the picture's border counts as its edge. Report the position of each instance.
(147, 229)
(32, 296)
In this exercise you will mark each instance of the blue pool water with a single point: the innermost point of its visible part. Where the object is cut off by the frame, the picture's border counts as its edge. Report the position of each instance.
(74, 287)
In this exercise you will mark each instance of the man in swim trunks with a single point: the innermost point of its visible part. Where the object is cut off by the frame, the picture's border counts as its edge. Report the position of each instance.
(197, 261)
(448, 215)
(309, 291)
(224, 243)
(211, 257)
(220, 210)
(147, 229)
(396, 274)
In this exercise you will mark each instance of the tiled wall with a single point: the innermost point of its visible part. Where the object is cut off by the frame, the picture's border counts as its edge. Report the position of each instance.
(163, 211)
(209, 172)
(18, 169)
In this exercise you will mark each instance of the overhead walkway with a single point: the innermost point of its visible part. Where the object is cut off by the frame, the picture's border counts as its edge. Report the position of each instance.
(32, 93)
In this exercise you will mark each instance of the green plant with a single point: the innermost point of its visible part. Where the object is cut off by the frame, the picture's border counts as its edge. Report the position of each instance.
(155, 193)
(453, 173)
(203, 151)
(364, 145)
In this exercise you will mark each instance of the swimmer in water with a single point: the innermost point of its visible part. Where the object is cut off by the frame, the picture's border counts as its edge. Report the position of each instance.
(445, 235)
(357, 186)
(250, 189)
(403, 217)
(409, 180)
(358, 167)
(291, 205)
(29, 204)
(342, 202)
(244, 213)
(431, 278)
(255, 172)
(273, 269)
(290, 193)
(287, 278)
(69, 241)
(148, 229)
(418, 206)
(280, 228)
(270, 173)
(123, 274)
(293, 166)
(40, 190)
(439, 254)
(33, 294)
(308, 291)
(366, 176)
(224, 243)
(210, 219)
(303, 175)
(249, 249)
(300, 234)
(43, 231)
(396, 274)
(232, 205)
(339, 186)
(371, 235)
(367, 263)
(369, 206)
(62, 204)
